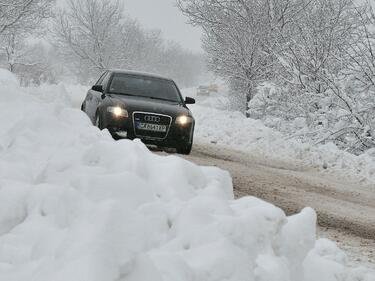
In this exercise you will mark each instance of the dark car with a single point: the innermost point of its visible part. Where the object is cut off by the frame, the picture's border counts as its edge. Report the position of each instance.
(139, 105)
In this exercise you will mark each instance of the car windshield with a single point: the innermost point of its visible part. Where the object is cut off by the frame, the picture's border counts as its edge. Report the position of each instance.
(143, 86)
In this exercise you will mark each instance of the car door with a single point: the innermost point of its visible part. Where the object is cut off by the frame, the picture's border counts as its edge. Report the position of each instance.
(92, 98)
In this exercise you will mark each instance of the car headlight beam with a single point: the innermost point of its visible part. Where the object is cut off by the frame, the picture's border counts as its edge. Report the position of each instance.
(117, 111)
(183, 120)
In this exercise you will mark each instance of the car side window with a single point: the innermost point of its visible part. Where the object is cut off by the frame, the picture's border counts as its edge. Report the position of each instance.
(100, 81)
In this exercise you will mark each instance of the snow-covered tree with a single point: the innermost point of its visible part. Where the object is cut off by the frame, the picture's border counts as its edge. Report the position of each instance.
(315, 59)
(319, 74)
(95, 35)
(91, 30)
(23, 14)
(19, 20)
(240, 36)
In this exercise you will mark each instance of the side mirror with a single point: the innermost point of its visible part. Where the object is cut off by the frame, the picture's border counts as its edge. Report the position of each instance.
(97, 88)
(189, 100)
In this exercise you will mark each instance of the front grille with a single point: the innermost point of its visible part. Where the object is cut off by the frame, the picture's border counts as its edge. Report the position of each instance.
(151, 118)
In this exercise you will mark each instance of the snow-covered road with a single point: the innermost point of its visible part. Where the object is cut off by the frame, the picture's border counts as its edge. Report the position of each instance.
(345, 208)
(339, 204)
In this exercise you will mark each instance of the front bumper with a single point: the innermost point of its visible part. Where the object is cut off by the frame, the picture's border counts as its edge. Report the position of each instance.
(176, 135)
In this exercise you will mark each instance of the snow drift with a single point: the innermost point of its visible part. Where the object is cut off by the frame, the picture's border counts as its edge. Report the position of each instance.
(76, 205)
(215, 124)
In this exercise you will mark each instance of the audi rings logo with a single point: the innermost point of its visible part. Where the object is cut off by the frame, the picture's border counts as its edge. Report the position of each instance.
(154, 119)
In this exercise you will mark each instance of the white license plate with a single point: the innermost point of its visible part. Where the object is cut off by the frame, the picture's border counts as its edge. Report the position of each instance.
(151, 127)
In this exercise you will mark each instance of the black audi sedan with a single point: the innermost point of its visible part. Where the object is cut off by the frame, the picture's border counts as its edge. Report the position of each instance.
(139, 105)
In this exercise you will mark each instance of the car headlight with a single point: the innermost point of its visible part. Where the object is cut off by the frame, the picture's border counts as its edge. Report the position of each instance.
(183, 120)
(118, 111)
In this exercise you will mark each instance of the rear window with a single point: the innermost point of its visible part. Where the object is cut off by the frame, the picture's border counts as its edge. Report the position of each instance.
(143, 86)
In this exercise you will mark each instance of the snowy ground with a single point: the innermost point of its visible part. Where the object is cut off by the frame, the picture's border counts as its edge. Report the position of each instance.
(346, 212)
(76, 205)
(219, 126)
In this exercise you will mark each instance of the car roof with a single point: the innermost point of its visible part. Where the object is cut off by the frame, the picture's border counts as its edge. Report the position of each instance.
(139, 73)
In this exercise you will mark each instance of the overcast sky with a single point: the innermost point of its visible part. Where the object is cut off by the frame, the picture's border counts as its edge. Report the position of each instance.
(164, 15)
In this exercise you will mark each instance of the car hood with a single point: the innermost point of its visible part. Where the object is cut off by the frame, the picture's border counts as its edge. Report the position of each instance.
(134, 103)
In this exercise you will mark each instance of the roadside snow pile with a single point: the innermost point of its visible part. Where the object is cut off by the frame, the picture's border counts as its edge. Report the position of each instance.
(76, 205)
(70, 95)
(234, 130)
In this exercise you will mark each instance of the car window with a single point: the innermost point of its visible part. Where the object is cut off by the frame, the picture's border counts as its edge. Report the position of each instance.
(144, 86)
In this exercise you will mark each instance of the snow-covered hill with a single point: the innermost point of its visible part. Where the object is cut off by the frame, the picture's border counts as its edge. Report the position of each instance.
(76, 205)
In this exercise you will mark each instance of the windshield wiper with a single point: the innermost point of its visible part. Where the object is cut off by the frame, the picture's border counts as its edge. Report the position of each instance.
(132, 95)
(156, 98)
(122, 93)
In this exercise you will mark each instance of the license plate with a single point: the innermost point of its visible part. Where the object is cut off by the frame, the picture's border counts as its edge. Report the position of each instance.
(151, 127)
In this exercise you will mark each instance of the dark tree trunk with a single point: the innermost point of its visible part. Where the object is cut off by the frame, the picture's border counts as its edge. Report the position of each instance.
(249, 97)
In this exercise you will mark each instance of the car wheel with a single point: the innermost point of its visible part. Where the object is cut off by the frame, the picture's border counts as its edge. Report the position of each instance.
(185, 149)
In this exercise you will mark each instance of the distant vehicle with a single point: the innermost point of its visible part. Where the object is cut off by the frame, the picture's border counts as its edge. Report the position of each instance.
(140, 105)
(213, 88)
(203, 91)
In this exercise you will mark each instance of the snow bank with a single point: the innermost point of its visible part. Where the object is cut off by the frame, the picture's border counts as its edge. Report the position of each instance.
(76, 205)
(234, 130)
(69, 95)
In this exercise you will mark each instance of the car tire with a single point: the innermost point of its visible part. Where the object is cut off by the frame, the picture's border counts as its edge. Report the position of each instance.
(185, 149)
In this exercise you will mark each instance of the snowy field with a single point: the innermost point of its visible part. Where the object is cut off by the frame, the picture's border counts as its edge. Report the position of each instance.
(76, 205)
(219, 126)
